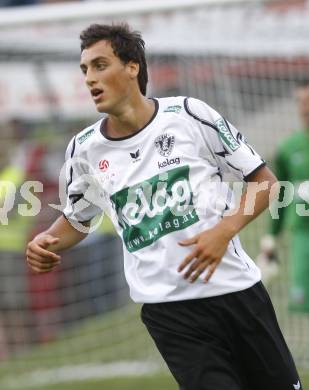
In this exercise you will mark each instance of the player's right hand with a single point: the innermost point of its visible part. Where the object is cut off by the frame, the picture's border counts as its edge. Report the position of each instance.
(39, 258)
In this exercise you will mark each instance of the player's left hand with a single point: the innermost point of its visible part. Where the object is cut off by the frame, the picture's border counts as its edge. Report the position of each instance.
(209, 247)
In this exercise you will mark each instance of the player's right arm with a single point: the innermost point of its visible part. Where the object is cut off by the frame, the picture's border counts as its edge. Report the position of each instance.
(67, 230)
(42, 251)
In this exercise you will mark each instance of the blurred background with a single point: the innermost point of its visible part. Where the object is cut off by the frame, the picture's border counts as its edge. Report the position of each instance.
(243, 57)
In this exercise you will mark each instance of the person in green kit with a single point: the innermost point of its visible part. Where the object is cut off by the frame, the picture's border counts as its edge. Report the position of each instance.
(292, 164)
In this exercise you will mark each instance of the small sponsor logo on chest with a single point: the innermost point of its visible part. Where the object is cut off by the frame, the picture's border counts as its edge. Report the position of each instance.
(167, 162)
(104, 165)
(135, 156)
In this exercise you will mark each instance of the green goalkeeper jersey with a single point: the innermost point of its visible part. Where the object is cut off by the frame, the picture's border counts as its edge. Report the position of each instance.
(292, 164)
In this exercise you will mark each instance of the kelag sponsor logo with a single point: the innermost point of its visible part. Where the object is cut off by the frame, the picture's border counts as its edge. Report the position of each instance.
(167, 162)
(155, 207)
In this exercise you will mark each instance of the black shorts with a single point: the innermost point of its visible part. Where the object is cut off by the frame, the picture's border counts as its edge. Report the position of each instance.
(228, 342)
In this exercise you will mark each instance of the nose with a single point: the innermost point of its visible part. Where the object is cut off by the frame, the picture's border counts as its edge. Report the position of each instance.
(90, 78)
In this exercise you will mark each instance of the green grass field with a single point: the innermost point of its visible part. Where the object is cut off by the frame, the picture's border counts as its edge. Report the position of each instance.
(161, 382)
(120, 336)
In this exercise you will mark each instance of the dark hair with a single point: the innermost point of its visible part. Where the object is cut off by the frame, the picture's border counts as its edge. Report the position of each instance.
(127, 46)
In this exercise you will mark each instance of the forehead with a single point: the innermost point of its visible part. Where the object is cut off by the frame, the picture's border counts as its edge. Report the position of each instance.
(99, 49)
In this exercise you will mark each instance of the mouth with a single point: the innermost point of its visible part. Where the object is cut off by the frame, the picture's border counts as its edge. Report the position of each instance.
(97, 94)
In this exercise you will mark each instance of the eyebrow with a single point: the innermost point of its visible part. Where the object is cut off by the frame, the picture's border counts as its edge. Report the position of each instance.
(93, 61)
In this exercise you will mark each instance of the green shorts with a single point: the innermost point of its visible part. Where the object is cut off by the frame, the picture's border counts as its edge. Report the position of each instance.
(299, 271)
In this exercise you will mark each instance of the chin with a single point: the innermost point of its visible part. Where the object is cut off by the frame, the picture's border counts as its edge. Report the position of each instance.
(101, 107)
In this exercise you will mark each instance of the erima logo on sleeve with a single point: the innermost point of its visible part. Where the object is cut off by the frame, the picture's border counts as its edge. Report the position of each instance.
(85, 136)
(226, 135)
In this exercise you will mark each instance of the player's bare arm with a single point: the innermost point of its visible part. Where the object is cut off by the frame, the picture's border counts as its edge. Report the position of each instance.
(42, 251)
(209, 246)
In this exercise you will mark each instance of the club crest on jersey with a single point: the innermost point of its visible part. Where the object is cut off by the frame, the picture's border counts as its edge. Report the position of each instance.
(164, 144)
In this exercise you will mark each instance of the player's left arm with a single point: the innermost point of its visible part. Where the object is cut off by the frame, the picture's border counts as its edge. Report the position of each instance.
(209, 246)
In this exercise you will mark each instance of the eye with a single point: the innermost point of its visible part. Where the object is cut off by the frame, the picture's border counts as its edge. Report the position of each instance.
(101, 66)
(83, 69)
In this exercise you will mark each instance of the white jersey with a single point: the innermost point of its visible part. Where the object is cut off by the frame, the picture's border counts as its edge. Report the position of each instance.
(162, 185)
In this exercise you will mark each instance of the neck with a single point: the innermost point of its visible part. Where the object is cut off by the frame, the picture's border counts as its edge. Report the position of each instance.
(133, 116)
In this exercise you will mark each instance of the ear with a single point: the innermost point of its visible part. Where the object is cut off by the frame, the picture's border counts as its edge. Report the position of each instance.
(133, 69)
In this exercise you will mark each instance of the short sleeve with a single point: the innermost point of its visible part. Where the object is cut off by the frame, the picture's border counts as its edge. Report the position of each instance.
(229, 148)
(81, 188)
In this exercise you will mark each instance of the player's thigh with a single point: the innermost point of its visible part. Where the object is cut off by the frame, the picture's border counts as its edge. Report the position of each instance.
(196, 364)
(266, 356)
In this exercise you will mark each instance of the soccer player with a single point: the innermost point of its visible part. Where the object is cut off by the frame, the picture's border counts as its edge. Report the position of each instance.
(292, 165)
(155, 167)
